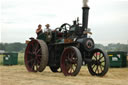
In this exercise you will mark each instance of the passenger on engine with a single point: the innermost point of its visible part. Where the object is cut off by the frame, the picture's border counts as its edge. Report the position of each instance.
(39, 30)
(48, 33)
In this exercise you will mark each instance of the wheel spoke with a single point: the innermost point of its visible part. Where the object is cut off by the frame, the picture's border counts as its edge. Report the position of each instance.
(102, 65)
(101, 57)
(68, 67)
(96, 69)
(70, 70)
(72, 54)
(93, 66)
(39, 55)
(29, 53)
(29, 61)
(38, 50)
(33, 46)
(37, 47)
(73, 67)
(101, 68)
(102, 61)
(33, 64)
(29, 57)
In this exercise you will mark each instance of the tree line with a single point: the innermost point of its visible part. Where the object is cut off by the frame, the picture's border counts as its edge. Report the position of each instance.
(13, 47)
(20, 47)
(113, 47)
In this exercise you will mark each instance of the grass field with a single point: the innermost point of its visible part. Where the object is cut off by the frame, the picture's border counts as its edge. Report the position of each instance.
(18, 75)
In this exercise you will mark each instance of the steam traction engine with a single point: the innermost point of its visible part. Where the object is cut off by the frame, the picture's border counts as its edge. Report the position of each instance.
(69, 49)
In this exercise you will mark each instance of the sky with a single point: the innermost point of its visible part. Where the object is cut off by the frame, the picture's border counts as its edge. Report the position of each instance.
(108, 19)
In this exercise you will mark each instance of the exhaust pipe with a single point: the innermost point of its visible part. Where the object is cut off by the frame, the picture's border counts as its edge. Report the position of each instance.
(85, 15)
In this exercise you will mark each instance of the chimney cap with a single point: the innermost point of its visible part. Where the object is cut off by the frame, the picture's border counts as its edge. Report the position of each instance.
(85, 3)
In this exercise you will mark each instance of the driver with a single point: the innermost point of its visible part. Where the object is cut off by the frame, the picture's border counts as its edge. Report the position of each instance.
(48, 33)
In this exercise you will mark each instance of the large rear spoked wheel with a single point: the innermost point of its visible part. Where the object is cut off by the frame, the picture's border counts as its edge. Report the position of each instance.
(71, 61)
(100, 63)
(36, 56)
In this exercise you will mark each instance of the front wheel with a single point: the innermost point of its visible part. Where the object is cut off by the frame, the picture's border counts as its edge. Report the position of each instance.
(100, 63)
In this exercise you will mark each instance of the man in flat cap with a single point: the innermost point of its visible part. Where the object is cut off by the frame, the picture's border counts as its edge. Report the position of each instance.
(48, 32)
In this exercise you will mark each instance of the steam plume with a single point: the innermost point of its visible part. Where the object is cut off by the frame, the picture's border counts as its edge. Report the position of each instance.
(85, 3)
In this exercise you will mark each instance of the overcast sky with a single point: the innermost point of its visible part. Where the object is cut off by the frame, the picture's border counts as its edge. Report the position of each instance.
(108, 19)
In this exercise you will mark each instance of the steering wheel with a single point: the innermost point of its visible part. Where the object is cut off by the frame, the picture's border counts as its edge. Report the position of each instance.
(64, 27)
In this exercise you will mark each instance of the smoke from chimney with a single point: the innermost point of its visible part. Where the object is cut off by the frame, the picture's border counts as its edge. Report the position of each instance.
(85, 3)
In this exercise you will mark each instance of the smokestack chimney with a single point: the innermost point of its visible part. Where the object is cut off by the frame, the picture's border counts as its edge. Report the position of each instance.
(85, 15)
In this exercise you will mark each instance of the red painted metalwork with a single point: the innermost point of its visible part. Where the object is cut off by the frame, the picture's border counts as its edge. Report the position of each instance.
(69, 61)
(33, 56)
